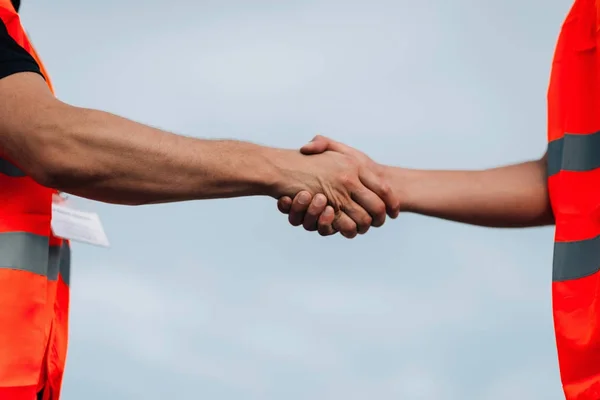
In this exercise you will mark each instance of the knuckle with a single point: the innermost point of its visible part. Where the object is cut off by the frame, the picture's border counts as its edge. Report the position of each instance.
(398, 205)
(378, 222)
(366, 221)
(350, 230)
(325, 221)
(386, 189)
(346, 179)
(309, 225)
(379, 210)
(325, 227)
(325, 232)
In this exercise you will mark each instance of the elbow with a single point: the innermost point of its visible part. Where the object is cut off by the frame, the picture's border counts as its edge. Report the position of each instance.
(51, 149)
(40, 162)
(50, 169)
(74, 174)
(58, 164)
(65, 173)
(52, 178)
(57, 160)
(45, 153)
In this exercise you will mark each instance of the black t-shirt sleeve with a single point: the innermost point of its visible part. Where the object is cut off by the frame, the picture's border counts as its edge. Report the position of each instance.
(14, 58)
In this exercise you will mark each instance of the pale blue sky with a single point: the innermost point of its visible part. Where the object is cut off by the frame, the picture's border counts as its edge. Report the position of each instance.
(224, 300)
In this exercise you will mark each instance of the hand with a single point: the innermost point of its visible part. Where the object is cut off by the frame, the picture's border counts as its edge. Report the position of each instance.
(313, 213)
(353, 208)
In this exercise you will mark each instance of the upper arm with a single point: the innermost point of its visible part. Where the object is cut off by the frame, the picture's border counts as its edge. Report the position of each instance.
(26, 98)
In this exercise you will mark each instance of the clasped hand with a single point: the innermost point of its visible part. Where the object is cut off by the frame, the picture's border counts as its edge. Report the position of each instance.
(344, 191)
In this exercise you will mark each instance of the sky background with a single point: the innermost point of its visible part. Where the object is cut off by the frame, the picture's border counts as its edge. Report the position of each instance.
(223, 299)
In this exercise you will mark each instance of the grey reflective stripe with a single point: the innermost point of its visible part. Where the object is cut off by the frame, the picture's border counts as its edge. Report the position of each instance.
(573, 260)
(24, 251)
(9, 169)
(574, 153)
(59, 260)
(65, 263)
(53, 262)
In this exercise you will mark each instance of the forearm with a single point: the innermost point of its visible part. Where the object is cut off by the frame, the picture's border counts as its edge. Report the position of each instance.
(104, 157)
(511, 196)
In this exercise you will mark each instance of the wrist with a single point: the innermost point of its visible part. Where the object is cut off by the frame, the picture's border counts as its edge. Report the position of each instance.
(400, 180)
(255, 171)
(280, 179)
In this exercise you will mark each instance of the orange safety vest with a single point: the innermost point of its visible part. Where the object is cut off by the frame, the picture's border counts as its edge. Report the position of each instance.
(34, 274)
(574, 187)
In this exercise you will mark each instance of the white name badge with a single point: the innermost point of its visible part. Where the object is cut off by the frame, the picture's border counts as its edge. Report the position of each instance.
(79, 226)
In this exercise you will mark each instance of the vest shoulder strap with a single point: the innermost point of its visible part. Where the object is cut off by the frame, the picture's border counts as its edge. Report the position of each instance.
(12, 21)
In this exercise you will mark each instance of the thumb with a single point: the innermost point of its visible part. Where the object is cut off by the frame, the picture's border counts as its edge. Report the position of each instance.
(318, 145)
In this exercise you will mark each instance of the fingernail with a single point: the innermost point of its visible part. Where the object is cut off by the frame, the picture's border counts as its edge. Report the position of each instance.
(320, 201)
(304, 198)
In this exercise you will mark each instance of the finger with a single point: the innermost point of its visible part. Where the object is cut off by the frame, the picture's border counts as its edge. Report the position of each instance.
(369, 203)
(320, 144)
(380, 186)
(345, 225)
(359, 215)
(299, 206)
(325, 223)
(317, 145)
(315, 209)
(284, 204)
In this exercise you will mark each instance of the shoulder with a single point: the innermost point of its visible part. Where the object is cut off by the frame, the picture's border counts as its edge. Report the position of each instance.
(16, 52)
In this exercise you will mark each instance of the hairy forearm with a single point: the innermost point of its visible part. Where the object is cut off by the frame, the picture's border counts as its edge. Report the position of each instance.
(104, 157)
(511, 196)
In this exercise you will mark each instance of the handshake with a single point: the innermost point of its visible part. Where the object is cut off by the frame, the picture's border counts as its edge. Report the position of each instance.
(338, 189)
